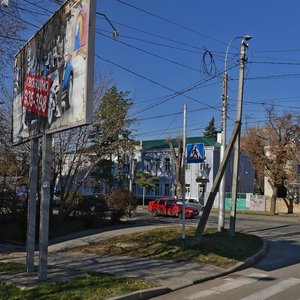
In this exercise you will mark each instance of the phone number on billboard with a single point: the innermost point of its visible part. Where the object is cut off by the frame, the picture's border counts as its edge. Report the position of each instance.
(36, 94)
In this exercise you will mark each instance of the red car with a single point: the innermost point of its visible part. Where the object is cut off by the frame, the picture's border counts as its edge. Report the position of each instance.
(170, 207)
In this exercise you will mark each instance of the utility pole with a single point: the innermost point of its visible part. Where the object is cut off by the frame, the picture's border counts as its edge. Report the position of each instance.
(183, 176)
(221, 218)
(237, 142)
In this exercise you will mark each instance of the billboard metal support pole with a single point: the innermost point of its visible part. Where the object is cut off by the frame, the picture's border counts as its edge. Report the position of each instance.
(44, 207)
(31, 209)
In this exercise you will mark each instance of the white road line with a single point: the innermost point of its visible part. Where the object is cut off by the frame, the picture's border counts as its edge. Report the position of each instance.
(274, 289)
(232, 283)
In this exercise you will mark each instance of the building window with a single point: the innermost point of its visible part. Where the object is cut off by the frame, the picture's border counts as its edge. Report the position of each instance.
(156, 191)
(187, 191)
(167, 164)
(167, 189)
(147, 165)
(157, 165)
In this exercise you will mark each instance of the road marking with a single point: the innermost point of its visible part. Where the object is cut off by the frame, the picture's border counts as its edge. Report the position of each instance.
(232, 283)
(274, 289)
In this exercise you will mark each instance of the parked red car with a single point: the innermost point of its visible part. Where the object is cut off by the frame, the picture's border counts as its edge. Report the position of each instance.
(170, 207)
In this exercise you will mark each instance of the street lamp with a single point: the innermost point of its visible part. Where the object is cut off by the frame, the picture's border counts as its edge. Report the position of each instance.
(221, 218)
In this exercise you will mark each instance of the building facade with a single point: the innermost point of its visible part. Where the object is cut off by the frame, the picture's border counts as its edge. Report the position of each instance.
(155, 157)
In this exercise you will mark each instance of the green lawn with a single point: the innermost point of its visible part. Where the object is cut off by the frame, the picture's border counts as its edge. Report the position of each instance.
(93, 286)
(216, 248)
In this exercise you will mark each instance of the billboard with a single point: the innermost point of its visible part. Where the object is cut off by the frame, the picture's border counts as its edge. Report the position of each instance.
(53, 74)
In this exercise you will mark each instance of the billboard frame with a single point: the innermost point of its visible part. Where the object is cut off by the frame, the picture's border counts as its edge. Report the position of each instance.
(45, 68)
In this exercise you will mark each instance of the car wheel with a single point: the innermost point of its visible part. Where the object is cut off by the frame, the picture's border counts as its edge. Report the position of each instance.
(154, 213)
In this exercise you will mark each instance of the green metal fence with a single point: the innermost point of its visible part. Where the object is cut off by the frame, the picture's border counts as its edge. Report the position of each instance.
(240, 202)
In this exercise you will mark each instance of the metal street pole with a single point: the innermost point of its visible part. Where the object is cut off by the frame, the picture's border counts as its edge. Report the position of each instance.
(221, 218)
(31, 209)
(237, 142)
(183, 176)
(44, 207)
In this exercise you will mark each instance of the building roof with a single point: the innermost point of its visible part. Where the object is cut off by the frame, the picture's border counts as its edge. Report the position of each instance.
(163, 144)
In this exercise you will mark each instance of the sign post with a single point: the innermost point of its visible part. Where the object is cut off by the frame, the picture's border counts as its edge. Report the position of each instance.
(31, 209)
(45, 205)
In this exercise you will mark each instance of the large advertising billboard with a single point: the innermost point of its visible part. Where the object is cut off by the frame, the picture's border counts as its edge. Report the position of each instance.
(53, 74)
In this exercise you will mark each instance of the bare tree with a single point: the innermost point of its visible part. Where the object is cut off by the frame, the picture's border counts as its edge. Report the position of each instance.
(79, 152)
(11, 27)
(177, 158)
(274, 151)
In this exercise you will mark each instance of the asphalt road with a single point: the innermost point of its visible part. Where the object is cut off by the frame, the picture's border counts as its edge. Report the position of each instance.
(275, 276)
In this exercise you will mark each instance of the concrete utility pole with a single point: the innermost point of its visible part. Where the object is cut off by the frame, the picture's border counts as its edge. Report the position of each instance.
(183, 176)
(221, 219)
(237, 142)
(234, 136)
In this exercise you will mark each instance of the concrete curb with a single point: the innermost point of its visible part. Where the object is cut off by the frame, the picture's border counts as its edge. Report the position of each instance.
(154, 292)
(144, 294)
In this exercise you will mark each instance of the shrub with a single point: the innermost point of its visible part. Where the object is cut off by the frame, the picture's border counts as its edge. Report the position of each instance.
(91, 205)
(121, 203)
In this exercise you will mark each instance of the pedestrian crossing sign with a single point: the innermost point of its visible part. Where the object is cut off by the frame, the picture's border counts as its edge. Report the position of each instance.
(195, 153)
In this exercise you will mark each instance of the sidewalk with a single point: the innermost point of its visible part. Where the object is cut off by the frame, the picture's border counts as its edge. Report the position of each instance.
(67, 265)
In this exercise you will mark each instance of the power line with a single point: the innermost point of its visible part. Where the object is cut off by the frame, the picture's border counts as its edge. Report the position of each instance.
(16, 17)
(156, 83)
(12, 38)
(159, 36)
(150, 53)
(275, 63)
(154, 43)
(38, 6)
(171, 22)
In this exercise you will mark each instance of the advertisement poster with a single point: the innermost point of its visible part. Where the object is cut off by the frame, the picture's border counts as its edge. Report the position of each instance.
(53, 74)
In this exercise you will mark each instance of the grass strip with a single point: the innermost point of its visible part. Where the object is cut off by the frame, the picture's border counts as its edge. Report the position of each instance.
(216, 248)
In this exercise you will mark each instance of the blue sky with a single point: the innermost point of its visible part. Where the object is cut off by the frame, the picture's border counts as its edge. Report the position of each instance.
(161, 44)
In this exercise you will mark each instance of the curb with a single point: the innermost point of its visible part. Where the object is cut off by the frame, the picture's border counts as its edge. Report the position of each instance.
(143, 294)
(154, 292)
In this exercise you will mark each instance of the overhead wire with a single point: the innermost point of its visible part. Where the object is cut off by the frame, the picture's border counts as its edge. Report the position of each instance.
(19, 18)
(150, 53)
(172, 22)
(156, 83)
(286, 76)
